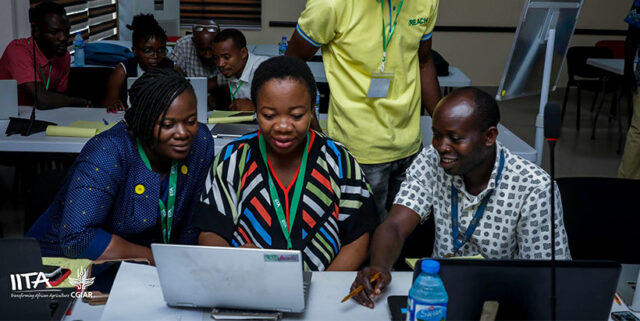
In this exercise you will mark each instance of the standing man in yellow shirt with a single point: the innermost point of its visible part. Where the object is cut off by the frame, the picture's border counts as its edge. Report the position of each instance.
(377, 58)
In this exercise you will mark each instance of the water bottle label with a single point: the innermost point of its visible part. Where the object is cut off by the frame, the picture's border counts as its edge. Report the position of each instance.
(419, 311)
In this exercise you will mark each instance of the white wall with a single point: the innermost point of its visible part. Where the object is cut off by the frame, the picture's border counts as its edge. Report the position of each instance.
(14, 21)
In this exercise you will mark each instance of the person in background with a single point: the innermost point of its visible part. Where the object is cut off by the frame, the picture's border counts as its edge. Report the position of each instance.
(149, 46)
(50, 38)
(484, 199)
(135, 184)
(193, 54)
(238, 65)
(630, 165)
(326, 209)
(377, 58)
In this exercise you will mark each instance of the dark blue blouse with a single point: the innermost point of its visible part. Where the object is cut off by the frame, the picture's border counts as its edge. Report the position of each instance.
(109, 190)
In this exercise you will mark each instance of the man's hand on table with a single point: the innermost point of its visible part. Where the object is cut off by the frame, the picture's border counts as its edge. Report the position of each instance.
(370, 292)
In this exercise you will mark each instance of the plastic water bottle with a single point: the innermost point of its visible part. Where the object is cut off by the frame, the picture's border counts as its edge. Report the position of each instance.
(282, 48)
(78, 46)
(317, 103)
(427, 298)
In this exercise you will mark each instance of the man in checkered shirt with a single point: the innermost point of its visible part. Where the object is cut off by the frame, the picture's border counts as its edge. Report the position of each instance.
(193, 55)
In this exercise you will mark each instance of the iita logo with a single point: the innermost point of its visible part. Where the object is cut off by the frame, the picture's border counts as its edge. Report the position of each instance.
(29, 281)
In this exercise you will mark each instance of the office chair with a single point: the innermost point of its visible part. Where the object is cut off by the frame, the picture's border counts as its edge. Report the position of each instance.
(589, 78)
(616, 47)
(601, 218)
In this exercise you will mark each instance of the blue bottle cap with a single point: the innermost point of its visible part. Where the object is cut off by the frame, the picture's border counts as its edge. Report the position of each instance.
(430, 266)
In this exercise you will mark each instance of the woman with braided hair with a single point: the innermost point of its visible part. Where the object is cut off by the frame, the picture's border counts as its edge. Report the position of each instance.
(136, 183)
(149, 46)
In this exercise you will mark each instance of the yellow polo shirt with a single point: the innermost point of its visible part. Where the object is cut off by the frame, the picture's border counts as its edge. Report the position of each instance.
(376, 130)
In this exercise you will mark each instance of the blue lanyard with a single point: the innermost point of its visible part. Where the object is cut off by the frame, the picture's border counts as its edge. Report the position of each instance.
(455, 225)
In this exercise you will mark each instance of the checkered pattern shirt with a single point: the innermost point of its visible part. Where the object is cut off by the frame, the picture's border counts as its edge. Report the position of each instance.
(184, 55)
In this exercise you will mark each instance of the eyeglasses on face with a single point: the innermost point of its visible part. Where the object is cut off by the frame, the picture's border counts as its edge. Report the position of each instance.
(209, 28)
(148, 51)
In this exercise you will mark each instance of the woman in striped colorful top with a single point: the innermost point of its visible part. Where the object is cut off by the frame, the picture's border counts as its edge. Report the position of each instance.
(286, 186)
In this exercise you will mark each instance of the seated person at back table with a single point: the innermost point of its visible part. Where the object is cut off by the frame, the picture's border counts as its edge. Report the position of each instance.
(326, 210)
(50, 38)
(237, 64)
(193, 55)
(463, 173)
(149, 46)
(136, 183)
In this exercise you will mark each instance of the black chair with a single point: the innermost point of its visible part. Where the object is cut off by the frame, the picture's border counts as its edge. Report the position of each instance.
(601, 218)
(43, 193)
(586, 77)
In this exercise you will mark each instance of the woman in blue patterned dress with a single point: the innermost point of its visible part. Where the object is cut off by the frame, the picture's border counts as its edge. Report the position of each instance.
(136, 183)
(324, 205)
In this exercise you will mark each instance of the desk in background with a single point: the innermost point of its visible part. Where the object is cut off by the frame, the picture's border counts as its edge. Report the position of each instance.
(40, 143)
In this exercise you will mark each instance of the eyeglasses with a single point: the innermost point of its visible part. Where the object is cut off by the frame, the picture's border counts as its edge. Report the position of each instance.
(148, 51)
(209, 28)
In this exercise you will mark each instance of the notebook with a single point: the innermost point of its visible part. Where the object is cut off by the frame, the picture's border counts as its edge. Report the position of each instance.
(229, 277)
(199, 87)
(584, 289)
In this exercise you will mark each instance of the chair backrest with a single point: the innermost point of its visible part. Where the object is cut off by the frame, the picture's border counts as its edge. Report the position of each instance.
(602, 218)
(577, 61)
(616, 47)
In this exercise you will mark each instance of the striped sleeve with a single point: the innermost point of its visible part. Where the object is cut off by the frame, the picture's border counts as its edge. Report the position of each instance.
(431, 22)
(317, 23)
(219, 199)
(358, 214)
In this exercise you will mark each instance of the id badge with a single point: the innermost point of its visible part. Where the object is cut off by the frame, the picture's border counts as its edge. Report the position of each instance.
(380, 84)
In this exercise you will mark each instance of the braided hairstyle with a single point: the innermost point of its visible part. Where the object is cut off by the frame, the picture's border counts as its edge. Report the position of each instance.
(151, 95)
(145, 27)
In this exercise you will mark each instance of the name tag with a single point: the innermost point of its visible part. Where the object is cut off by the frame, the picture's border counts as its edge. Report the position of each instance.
(380, 84)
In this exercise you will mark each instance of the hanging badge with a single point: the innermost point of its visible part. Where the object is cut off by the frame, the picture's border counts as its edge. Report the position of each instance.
(380, 84)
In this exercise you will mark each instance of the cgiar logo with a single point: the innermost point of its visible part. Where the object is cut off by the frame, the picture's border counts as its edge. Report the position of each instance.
(418, 21)
(81, 283)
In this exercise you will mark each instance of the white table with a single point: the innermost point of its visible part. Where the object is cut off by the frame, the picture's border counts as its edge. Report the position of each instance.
(40, 143)
(325, 293)
(615, 66)
(456, 77)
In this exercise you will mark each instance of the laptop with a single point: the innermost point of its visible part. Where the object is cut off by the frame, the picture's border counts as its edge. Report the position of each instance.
(627, 284)
(199, 87)
(233, 130)
(584, 289)
(229, 277)
(9, 94)
(22, 256)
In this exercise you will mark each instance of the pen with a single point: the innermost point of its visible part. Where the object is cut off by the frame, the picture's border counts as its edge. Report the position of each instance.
(615, 297)
(105, 121)
(359, 288)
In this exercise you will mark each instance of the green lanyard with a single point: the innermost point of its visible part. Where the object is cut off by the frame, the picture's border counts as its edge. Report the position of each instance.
(297, 191)
(46, 87)
(233, 93)
(166, 216)
(392, 24)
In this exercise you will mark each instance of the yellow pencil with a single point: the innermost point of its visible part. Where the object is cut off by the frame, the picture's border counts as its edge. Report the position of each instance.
(360, 288)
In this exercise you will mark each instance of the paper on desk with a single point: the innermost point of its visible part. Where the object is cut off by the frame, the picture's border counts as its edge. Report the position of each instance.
(72, 264)
(100, 126)
(67, 131)
(230, 116)
(411, 262)
(136, 295)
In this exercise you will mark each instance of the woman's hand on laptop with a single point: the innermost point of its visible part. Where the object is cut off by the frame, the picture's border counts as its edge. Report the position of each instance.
(370, 290)
(249, 246)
